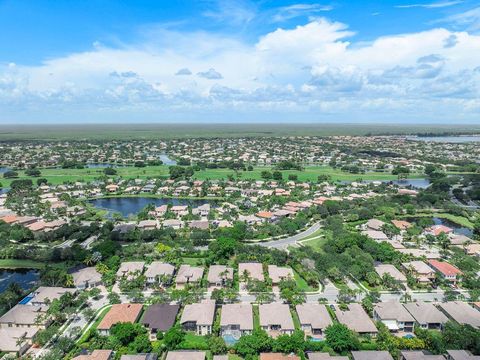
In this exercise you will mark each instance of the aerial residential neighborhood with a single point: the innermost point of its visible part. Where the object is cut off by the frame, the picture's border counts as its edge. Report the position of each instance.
(205, 266)
(240, 180)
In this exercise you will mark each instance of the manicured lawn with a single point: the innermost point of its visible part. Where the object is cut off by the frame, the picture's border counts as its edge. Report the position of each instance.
(102, 314)
(193, 341)
(314, 234)
(193, 261)
(24, 264)
(256, 317)
(311, 173)
(234, 357)
(316, 244)
(301, 283)
(296, 321)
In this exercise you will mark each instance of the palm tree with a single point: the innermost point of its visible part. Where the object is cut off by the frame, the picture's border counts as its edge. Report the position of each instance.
(69, 281)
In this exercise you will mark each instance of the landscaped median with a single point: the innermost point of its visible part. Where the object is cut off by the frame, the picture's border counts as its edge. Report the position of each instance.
(100, 314)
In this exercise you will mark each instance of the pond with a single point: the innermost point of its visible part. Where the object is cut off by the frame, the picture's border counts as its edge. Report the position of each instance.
(26, 278)
(133, 205)
(3, 169)
(166, 160)
(446, 139)
(457, 229)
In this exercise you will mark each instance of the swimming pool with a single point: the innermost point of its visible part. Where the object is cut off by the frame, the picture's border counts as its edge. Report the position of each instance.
(26, 300)
(230, 339)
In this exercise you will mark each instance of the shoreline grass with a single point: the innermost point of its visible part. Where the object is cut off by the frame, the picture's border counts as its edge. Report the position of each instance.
(24, 264)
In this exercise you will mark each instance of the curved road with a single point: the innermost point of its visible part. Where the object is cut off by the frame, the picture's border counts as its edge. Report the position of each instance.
(291, 240)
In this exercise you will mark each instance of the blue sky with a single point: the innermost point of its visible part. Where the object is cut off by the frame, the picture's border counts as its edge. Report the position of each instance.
(239, 60)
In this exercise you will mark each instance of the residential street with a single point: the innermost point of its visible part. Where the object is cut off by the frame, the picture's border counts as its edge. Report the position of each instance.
(291, 240)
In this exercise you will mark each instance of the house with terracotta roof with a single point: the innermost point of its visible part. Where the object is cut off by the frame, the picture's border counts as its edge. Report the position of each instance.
(446, 270)
(119, 313)
(9, 219)
(401, 224)
(436, 230)
(265, 215)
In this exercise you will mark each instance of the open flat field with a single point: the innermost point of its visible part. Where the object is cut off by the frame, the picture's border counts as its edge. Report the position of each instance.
(59, 176)
(93, 132)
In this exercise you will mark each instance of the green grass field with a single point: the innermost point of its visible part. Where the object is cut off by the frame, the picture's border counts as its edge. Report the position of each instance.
(139, 131)
(316, 244)
(301, 283)
(311, 173)
(193, 341)
(296, 321)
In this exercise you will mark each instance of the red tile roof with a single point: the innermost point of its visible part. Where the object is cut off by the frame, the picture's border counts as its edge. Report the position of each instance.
(120, 313)
(438, 229)
(445, 268)
(265, 214)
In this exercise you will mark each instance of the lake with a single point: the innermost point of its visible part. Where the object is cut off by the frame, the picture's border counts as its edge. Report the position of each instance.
(3, 169)
(133, 205)
(166, 160)
(26, 278)
(446, 139)
(416, 183)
